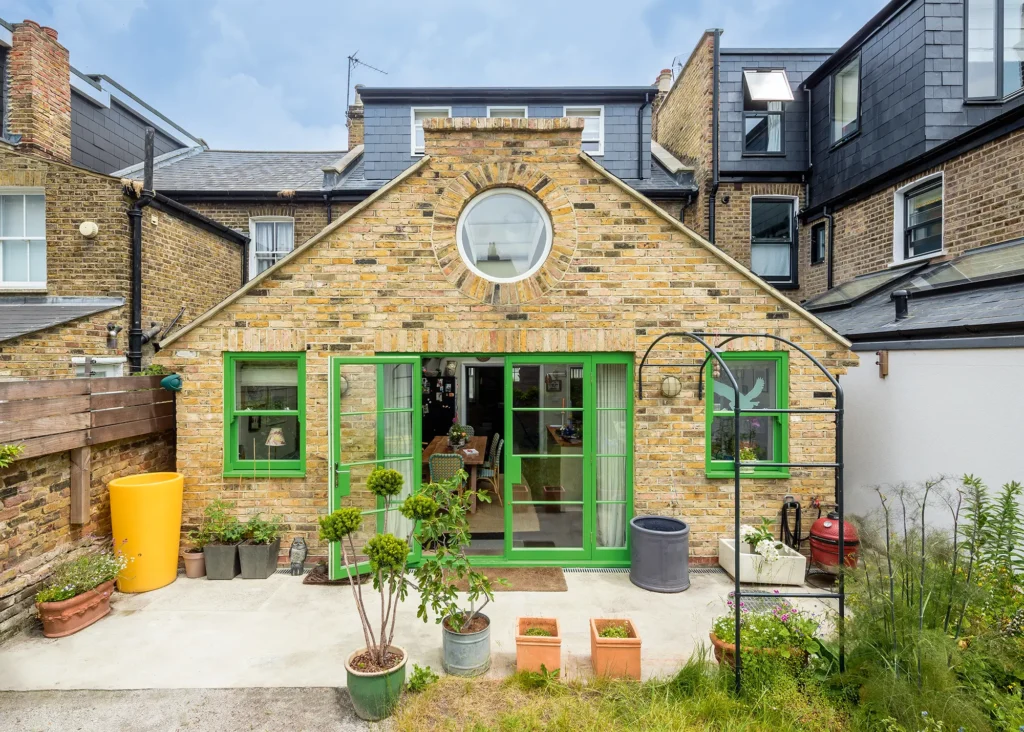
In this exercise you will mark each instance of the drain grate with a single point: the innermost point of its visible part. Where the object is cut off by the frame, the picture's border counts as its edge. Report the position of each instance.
(707, 570)
(760, 604)
(596, 570)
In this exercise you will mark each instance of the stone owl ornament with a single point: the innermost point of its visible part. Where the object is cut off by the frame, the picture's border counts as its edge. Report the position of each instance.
(297, 555)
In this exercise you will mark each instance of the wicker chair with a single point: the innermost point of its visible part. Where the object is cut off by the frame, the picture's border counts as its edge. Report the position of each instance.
(493, 473)
(489, 462)
(470, 430)
(445, 466)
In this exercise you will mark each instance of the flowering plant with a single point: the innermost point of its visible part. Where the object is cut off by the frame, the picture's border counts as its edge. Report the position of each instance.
(784, 628)
(75, 577)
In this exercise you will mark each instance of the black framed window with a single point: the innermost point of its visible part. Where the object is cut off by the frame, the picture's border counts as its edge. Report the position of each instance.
(995, 48)
(765, 92)
(846, 100)
(922, 220)
(773, 239)
(818, 243)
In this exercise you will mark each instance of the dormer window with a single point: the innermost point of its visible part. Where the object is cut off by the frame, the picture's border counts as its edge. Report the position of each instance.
(593, 127)
(764, 93)
(418, 115)
(508, 112)
(995, 48)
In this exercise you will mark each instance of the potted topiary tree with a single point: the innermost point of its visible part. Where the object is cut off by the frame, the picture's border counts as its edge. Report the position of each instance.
(221, 552)
(77, 594)
(465, 630)
(258, 553)
(376, 673)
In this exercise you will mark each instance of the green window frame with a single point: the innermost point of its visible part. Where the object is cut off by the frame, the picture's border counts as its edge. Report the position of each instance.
(281, 468)
(717, 468)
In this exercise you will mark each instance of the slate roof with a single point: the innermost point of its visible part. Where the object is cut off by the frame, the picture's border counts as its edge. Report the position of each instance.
(21, 315)
(238, 170)
(662, 182)
(983, 309)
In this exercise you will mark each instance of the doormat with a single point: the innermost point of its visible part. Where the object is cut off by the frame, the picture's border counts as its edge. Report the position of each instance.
(524, 579)
(319, 576)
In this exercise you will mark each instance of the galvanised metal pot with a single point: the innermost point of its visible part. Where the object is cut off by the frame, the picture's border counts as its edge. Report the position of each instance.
(466, 654)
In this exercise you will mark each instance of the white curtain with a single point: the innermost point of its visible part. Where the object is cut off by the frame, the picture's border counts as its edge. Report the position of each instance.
(398, 434)
(774, 128)
(770, 260)
(611, 446)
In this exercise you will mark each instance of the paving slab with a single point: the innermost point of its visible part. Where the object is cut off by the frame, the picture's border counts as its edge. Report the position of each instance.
(278, 632)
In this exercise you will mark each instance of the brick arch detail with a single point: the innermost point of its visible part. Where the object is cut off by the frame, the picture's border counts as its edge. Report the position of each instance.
(532, 181)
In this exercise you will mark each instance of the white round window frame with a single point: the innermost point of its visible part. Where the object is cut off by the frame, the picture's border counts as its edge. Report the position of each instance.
(548, 235)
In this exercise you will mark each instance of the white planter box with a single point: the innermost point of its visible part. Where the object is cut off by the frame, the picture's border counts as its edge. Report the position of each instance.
(788, 569)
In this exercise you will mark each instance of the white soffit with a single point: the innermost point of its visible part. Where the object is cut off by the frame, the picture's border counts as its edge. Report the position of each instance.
(768, 86)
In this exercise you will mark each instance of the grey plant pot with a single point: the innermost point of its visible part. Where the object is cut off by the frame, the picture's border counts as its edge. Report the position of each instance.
(259, 561)
(221, 561)
(466, 654)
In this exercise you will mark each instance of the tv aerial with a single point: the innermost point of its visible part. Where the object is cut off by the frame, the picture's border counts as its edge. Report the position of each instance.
(353, 62)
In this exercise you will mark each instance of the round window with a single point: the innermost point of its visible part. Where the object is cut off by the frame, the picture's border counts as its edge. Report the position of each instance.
(504, 235)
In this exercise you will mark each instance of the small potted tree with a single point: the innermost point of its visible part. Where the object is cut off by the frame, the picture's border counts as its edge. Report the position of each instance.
(195, 560)
(538, 645)
(614, 648)
(221, 552)
(258, 553)
(465, 630)
(376, 673)
(77, 594)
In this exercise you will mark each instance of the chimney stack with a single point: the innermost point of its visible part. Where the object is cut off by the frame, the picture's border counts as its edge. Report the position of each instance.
(355, 120)
(664, 81)
(664, 84)
(39, 91)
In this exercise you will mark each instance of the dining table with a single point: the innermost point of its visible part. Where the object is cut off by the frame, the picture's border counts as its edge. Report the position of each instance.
(471, 461)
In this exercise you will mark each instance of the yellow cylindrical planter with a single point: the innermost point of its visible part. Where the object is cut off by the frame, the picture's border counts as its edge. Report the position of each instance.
(145, 516)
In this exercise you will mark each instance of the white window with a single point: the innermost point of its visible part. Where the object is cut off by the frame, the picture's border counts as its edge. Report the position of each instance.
(510, 112)
(98, 366)
(995, 48)
(917, 219)
(22, 239)
(418, 115)
(593, 127)
(504, 235)
(272, 239)
(846, 101)
(764, 92)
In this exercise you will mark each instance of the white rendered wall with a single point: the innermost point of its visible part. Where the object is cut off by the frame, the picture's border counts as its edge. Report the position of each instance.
(939, 412)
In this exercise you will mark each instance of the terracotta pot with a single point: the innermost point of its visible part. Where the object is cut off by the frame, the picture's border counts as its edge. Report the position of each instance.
(70, 616)
(554, 493)
(725, 653)
(614, 657)
(535, 651)
(195, 564)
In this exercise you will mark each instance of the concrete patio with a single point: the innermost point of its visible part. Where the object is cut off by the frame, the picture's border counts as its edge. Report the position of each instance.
(279, 632)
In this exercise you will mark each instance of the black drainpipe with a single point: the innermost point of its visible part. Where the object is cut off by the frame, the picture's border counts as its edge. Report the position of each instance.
(640, 138)
(714, 138)
(831, 244)
(135, 333)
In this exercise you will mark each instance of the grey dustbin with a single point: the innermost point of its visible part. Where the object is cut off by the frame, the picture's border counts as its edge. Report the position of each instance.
(659, 554)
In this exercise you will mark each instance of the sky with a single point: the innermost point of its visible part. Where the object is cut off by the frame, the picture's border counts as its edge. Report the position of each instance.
(271, 74)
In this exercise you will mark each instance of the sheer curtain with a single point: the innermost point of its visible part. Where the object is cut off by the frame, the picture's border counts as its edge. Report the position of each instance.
(774, 127)
(770, 260)
(398, 435)
(611, 451)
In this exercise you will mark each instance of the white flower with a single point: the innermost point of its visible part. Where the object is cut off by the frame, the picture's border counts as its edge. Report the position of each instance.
(767, 548)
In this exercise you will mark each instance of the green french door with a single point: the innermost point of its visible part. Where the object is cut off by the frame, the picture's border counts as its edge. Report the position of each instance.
(568, 467)
(375, 422)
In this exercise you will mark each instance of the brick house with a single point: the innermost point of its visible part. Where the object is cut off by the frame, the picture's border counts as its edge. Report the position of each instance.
(66, 232)
(506, 278)
(899, 154)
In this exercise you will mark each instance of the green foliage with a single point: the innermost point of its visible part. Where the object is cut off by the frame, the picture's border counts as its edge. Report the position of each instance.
(442, 572)
(263, 531)
(223, 526)
(154, 369)
(539, 633)
(72, 578)
(201, 535)
(542, 679)
(340, 524)
(385, 482)
(419, 508)
(422, 677)
(783, 628)
(614, 631)
(387, 553)
(9, 454)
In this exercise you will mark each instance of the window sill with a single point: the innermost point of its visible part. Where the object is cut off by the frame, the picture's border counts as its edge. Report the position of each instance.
(264, 473)
(23, 289)
(763, 155)
(917, 260)
(783, 285)
(758, 474)
(843, 141)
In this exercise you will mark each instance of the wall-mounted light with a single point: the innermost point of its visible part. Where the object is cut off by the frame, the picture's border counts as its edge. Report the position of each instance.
(89, 229)
(671, 387)
(342, 385)
(112, 331)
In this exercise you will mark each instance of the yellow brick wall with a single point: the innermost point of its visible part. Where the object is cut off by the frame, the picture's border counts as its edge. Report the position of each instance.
(375, 285)
(310, 218)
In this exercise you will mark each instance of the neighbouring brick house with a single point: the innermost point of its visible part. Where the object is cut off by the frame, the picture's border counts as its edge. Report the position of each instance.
(900, 153)
(508, 279)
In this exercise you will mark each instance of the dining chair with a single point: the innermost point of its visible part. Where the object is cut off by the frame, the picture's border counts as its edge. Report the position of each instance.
(493, 474)
(445, 466)
(494, 448)
(470, 430)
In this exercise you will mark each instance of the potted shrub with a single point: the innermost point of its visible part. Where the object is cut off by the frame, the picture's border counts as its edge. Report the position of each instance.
(457, 436)
(748, 454)
(376, 672)
(465, 630)
(195, 560)
(763, 558)
(221, 551)
(77, 594)
(783, 630)
(538, 645)
(614, 648)
(258, 553)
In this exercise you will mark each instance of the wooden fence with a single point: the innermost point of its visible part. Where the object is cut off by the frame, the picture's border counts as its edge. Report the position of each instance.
(51, 416)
